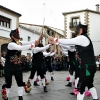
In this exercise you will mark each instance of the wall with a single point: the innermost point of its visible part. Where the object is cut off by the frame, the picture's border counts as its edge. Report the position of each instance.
(13, 20)
(4, 31)
(94, 25)
(68, 18)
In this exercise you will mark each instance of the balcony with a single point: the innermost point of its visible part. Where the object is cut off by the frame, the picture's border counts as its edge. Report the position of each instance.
(73, 25)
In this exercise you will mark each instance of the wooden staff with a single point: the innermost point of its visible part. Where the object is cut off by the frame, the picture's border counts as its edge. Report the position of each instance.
(45, 33)
(43, 21)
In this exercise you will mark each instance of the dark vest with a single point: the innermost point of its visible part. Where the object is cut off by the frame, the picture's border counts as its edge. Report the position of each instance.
(37, 58)
(86, 53)
(71, 56)
(48, 60)
(78, 62)
(12, 59)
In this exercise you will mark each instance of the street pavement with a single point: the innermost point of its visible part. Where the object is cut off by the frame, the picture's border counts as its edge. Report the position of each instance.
(56, 89)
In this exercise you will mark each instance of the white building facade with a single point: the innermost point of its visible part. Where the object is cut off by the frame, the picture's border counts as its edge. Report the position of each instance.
(9, 20)
(88, 17)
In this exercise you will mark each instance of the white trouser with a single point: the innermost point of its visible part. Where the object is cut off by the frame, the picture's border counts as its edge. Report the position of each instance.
(7, 90)
(93, 92)
(71, 78)
(20, 91)
(76, 82)
(43, 81)
(80, 96)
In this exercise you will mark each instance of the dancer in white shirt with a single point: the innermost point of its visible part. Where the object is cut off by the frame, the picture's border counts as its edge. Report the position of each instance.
(13, 64)
(86, 53)
(37, 63)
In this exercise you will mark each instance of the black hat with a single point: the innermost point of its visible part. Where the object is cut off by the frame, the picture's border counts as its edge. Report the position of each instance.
(84, 27)
(15, 33)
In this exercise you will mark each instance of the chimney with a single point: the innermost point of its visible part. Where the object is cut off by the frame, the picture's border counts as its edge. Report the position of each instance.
(97, 7)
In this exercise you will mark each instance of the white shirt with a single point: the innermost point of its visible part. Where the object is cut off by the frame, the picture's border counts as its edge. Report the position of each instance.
(25, 45)
(79, 40)
(38, 49)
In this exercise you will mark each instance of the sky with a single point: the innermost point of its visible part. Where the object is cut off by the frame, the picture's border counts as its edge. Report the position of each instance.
(47, 12)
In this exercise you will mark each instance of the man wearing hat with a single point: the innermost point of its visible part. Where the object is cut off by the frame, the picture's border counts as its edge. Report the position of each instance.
(13, 64)
(86, 53)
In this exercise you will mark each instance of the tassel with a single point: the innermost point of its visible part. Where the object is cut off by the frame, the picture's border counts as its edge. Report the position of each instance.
(4, 93)
(79, 66)
(74, 63)
(87, 72)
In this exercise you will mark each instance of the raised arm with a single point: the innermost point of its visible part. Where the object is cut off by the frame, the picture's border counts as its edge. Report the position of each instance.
(53, 53)
(46, 53)
(65, 53)
(38, 49)
(79, 40)
(14, 46)
(66, 48)
(63, 49)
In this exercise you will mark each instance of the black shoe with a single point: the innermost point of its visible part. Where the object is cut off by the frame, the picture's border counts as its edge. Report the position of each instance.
(52, 79)
(35, 84)
(20, 98)
(45, 89)
(72, 93)
(95, 99)
(69, 84)
(4, 86)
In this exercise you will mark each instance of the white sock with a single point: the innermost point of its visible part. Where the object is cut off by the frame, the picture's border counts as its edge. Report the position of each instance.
(71, 78)
(76, 82)
(51, 74)
(43, 81)
(93, 92)
(80, 96)
(7, 90)
(20, 91)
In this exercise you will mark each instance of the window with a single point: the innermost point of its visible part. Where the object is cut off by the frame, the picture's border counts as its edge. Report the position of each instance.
(5, 22)
(52, 34)
(48, 32)
(29, 38)
(75, 21)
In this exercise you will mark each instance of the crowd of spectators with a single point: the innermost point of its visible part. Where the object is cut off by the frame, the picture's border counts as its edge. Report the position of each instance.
(58, 63)
(26, 63)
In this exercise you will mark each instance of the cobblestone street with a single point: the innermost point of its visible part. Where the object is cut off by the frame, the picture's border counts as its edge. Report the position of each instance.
(56, 88)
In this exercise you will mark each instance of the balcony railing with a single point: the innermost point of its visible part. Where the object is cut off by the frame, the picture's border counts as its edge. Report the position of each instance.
(73, 25)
